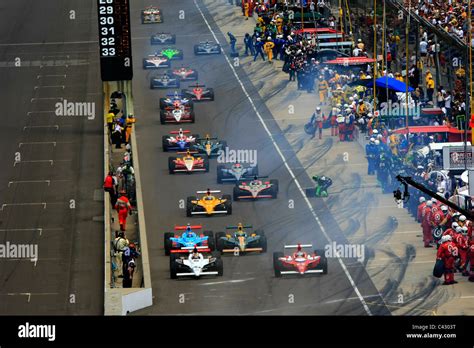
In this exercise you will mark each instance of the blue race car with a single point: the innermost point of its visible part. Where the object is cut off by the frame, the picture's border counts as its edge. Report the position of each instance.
(188, 240)
(209, 146)
(180, 140)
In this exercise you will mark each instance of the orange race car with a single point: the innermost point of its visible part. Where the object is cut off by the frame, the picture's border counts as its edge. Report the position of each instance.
(209, 204)
(188, 163)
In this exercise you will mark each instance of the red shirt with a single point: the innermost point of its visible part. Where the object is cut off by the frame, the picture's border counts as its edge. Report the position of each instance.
(109, 182)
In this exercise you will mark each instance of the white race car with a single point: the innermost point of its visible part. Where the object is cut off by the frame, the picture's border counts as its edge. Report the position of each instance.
(196, 264)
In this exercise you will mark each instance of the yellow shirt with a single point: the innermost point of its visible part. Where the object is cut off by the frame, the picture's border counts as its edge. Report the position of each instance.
(268, 46)
(430, 84)
(110, 117)
(323, 86)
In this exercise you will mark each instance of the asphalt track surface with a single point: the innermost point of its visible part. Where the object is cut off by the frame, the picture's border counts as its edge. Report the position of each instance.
(61, 158)
(248, 285)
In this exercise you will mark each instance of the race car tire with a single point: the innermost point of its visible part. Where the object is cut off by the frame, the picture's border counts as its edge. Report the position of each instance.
(196, 50)
(164, 141)
(260, 232)
(219, 267)
(171, 165)
(189, 206)
(277, 263)
(263, 243)
(163, 103)
(173, 267)
(274, 188)
(192, 116)
(228, 203)
(210, 241)
(211, 94)
(168, 243)
(254, 171)
(219, 173)
(236, 193)
(220, 243)
(162, 117)
(152, 86)
(206, 164)
(323, 263)
(144, 64)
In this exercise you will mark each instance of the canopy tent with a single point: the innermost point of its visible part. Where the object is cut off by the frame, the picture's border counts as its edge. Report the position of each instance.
(384, 82)
(429, 129)
(351, 61)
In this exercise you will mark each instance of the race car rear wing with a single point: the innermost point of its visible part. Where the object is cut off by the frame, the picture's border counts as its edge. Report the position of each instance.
(210, 191)
(182, 131)
(190, 249)
(236, 227)
(193, 227)
(237, 249)
(205, 213)
(206, 139)
(296, 246)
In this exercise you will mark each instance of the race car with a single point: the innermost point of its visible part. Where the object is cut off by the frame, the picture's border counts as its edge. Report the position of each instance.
(198, 92)
(163, 39)
(255, 189)
(171, 53)
(174, 100)
(184, 74)
(196, 264)
(177, 115)
(300, 262)
(236, 172)
(156, 62)
(151, 14)
(209, 146)
(187, 240)
(188, 164)
(164, 81)
(240, 241)
(208, 204)
(178, 140)
(207, 47)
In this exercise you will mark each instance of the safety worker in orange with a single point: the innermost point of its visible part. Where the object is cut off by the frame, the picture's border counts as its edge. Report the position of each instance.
(128, 128)
(268, 48)
(323, 88)
(123, 208)
(246, 10)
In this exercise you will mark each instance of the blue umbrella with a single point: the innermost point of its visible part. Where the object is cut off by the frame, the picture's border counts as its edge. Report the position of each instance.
(390, 83)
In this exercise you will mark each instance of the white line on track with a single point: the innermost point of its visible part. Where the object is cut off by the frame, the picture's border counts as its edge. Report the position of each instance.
(290, 171)
(227, 282)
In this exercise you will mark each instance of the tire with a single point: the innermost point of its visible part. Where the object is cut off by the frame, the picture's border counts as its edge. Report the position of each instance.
(162, 103)
(219, 267)
(228, 203)
(173, 267)
(263, 243)
(162, 117)
(211, 243)
(152, 86)
(144, 64)
(260, 232)
(277, 263)
(193, 116)
(171, 165)
(274, 182)
(164, 141)
(189, 205)
(323, 263)
(220, 243)
(211, 92)
(224, 145)
(168, 243)
(255, 170)
(206, 164)
(236, 193)
(219, 173)
(196, 51)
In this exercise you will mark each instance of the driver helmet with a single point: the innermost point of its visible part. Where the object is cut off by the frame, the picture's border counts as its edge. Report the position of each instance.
(462, 218)
(458, 229)
(446, 238)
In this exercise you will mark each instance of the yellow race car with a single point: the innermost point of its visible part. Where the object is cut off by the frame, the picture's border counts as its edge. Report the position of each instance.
(209, 204)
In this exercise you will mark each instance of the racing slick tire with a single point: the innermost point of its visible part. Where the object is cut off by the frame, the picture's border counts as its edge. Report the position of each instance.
(163, 104)
(219, 267)
(168, 243)
(220, 243)
(277, 263)
(274, 183)
(192, 116)
(152, 86)
(211, 94)
(206, 164)
(236, 193)
(219, 173)
(254, 171)
(162, 117)
(189, 206)
(196, 50)
(164, 141)
(171, 165)
(260, 232)
(263, 243)
(173, 267)
(211, 243)
(323, 263)
(228, 203)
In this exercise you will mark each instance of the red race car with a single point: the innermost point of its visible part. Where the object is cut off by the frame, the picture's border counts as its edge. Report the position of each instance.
(177, 115)
(188, 164)
(198, 93)
(184, 74)
(300, 262)
(179, 140)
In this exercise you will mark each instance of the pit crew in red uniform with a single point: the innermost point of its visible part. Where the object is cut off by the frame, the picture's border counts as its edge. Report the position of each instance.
(448, 252)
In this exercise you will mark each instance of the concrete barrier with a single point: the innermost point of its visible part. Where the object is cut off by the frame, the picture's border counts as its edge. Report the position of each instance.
(121, 301)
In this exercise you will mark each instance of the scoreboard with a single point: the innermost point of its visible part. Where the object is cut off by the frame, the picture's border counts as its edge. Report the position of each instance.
(115, 40)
